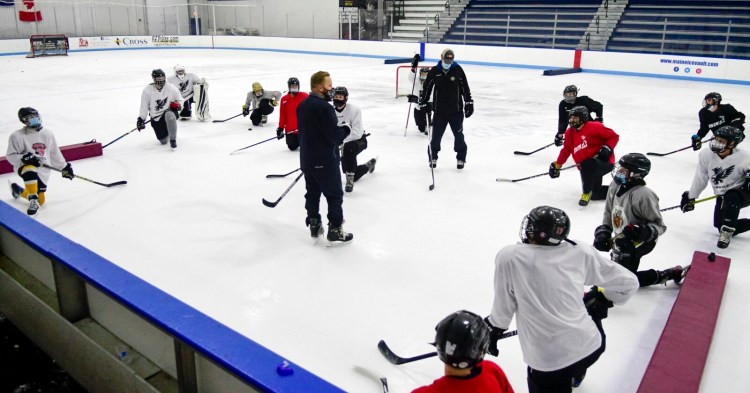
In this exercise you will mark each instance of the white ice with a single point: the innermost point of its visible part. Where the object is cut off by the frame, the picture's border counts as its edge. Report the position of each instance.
(191, 222)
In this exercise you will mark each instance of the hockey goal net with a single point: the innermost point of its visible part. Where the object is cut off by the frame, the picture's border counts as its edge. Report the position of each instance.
(405, 80)
(48, 45)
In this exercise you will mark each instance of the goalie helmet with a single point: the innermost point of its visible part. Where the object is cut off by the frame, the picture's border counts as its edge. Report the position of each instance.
(716, 97)
(631, 166)
(570, 93)
(30, 117)
(461, 339)
(160, 78)
(545, 225)
(732, 136)
(580, 113)
(179, 70)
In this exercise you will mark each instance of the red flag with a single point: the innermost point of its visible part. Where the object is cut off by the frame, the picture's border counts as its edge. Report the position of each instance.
(29, 16)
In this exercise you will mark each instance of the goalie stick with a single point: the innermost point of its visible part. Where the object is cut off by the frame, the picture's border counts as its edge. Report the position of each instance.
(284, 175)
(117, 183)
(395, 359)
(502, 179)
(675, 151)
(525, 153)
(273, 204)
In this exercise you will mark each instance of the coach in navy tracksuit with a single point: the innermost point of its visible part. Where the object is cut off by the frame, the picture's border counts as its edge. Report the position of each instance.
(320, 137)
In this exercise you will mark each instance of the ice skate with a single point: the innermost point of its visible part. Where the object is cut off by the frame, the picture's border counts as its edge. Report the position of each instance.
(316, 227)
(585, 198)
(433, 163)
(33, 204)
(676, 274)
(173, 144)
(371, 165)
(338, 235)
(460, 164)
(15, 190)
(349, 182)
(725, 236)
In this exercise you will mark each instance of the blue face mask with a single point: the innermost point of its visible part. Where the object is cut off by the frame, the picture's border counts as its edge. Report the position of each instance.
(620, 179)
(446, 66)
(34, 122)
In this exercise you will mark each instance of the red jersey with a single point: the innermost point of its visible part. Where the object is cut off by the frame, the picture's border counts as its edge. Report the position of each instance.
(489, 379)
(288, 111)
(586, 142)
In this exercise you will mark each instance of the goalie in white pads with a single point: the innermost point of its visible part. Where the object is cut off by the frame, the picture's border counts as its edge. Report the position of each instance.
(184, 82)
(28, 149)
(162, 101)
(201, 100)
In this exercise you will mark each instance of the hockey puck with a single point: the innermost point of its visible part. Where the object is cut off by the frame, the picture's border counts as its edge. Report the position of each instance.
(250, 129)
(712, 256)
(284, 369)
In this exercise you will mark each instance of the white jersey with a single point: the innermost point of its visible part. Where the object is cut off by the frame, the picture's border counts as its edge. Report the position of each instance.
(253, 102)
(42, 143)
(543, 286)
(725, 174)
(352, 116)
(185, 85)
(155, 102)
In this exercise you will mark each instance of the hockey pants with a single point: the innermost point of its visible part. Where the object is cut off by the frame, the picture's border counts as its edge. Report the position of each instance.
(187, 109)
(327, 181)
(292, 141)
(32, 183)
(592, 171)
(349, 159)
(629, 256)
(439, 123)
(166, 127)
(420, 118)
(264, 108)
(727, 210)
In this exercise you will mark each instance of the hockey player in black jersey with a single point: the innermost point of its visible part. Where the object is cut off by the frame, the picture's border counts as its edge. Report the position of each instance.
(713, 115)
(571, 100)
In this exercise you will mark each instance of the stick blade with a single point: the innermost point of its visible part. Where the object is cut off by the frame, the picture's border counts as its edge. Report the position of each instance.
(655, 154)
(502, 179)
(387, 353)
(118, 183)
(432, 187)
(270, 204)
(522, 153)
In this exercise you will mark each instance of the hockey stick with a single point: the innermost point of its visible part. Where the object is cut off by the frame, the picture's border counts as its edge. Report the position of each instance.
(524, 153)
(678, 150)
(284, 175)
(395, 359)
(372, 374)
(221, 121)
(117, 183)
(530, 177)
(273, 204)
(125, 134)
(429, 150)
(691, 203)
(254, 144)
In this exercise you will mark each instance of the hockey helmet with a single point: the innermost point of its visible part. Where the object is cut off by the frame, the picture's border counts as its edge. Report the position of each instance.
(581, 113)
(545, 225)
(731, 137)
(570, 93)
(631, 166)
(257, 89)
(293, 81)
(30, 117)
(179, 70)
(716, 97)
(423, 71)
(340, 97)
(160, 78)
(461, 339)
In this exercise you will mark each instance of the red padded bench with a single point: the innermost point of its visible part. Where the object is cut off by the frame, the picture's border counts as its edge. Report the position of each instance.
(70, 152)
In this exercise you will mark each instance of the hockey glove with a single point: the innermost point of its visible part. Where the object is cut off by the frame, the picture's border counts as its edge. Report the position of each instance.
(412, 98)
(422, 105)
(603, 238)
(495, 335)
(140, 124)
(596, 303)
(31, 159)
(687, 204)
(415, 62)
(245, 110)
(274, 102)
(604, 153)
(347, 129)
(279, 132)
(599, 119)
(559, 139)
(746, 186)
(468, 109)
(635, 232)
(67, 172)
(174, 105)
(554, 170)
(695, 141)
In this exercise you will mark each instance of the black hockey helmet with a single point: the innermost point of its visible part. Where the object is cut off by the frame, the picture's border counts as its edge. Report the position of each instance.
(545, 225)
(579, 112)
(341, 90)
(570, 92)
(732, 135)
(158, 73)
(637, 165)
(461, 339)
(713, 96)
(25, 113)
(160, 78)
(292, 81)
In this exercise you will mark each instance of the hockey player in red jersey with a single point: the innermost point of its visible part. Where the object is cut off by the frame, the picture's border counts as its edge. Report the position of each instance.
(288, 114)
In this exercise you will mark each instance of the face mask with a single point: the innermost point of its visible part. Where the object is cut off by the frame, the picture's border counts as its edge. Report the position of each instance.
(34, 122)
(620, 175)
(717, 147)
(294, 89)
(339, 103)
(328, 95)
(446, 66)
(159, 82)
(575, 122)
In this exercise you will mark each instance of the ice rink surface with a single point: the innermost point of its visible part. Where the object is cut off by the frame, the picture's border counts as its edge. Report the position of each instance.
(191, 222)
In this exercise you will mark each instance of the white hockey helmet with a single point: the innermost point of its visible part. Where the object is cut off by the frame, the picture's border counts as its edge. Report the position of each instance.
(179, 70)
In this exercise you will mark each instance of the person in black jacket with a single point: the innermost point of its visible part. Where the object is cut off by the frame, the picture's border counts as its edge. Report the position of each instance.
(451, 101)
(714, 115)
(319, 140)
(571, 100)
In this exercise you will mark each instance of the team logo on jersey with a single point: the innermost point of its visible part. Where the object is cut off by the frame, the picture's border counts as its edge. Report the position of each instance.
(618, 218)
(160, 104)
(721, 174)
(39, 148)
(184, 85)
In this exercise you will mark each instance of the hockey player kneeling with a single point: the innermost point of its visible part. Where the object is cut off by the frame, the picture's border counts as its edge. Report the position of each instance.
(200, 93)
(161, 100)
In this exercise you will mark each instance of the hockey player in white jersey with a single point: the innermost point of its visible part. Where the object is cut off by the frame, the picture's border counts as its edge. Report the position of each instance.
(29, 149)
(728, 169)
(160, 100)
(420, 114)
(355, 142)
(184, 81)
(261, 103)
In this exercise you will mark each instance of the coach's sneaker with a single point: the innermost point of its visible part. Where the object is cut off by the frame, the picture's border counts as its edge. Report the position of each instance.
(33, 204)
(15, 190)
(371, 165)
(349, 182)
(585, 198)
(725, 236)
(316, 227)
(338, 234)
(460, 164)
(173, 143)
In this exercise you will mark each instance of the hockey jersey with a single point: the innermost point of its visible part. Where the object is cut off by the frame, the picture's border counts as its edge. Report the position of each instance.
(253, 102)
(486, 377)
(185, 85)
(586, 142)
(155, 102)
(352, 116)
(724, 115)
(639, 206)
(42, 143)
(288, 111)
(724, 174)
(590, 104)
